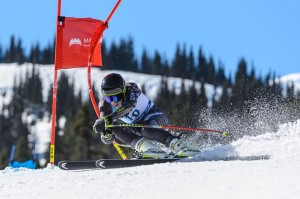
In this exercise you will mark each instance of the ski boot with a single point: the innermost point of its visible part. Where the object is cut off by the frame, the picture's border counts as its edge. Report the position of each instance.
(148, 150)
(182, 149)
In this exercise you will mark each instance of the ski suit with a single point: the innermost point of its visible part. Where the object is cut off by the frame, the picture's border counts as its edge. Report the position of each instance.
(136, 109)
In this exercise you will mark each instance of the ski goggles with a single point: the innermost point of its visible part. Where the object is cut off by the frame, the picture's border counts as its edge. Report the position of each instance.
(114, 98)
(114, 95)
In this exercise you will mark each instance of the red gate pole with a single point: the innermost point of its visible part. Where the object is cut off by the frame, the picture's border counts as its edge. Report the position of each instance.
(113, 11)
(98, 33)
(54, 95)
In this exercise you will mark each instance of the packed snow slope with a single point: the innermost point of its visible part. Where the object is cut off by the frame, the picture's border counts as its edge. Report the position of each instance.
(276, 178)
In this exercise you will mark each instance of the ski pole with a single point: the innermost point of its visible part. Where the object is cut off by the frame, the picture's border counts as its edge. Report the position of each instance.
(224, 133)
(120, 151)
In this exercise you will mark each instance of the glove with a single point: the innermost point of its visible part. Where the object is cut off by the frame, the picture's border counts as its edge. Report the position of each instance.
(100, 125)
(107, 137)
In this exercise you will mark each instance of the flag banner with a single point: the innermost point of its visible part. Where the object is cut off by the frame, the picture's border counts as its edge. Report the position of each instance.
(74, 37)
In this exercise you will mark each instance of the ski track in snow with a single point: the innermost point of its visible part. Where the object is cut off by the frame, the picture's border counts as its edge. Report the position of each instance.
(276, 178)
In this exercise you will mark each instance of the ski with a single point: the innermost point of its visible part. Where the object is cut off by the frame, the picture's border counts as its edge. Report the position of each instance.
(77, 165)
(112, 163)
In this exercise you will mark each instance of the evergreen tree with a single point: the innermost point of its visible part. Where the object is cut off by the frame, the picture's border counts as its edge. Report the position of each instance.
(135, 67)
(240, 89)
(222, 106)
(11, 52)
(19, 56)
(191, 66)
(104, 52)
(290, 90)
(202, 97)
(180, 105)
(121, 59)
(163, 94)
(157, 66)
(49, 101)
(274, 91)
(35, 54)
(4, 156)
(145, 63)
(255, 86)
(184, 64)
(18, 129)
(79, 142)
(211, 76)
(65, 97)
(81, 132)
(112, 56)
(193, 108)
(221, 77)
(175, 67)
(33, 87)
(5, 140)
(230, 84)
(202, 66)
(129, 58)
(47, 55)
(22, 151)
(1, 54)
(78, 100)
(166, 68)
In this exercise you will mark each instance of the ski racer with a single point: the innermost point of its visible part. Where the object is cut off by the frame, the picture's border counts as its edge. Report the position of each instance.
(125, 103)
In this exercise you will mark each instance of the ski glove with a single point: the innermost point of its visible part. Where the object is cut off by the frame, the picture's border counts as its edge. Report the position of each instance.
(100, 125)
(107, 138)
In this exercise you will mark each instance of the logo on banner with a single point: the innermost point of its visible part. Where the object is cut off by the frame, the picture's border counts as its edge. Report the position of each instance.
(86, 42)
(75, 41)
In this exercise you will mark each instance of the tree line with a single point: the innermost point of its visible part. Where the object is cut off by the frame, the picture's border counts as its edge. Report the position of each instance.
(245, 101)
(121, 56)
(16, 53)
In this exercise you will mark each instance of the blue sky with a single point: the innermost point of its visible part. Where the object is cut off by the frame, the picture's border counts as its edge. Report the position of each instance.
(265, 32)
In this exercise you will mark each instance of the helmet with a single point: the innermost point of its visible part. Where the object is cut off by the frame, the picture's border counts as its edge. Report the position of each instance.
(112, 81)
(113, 84)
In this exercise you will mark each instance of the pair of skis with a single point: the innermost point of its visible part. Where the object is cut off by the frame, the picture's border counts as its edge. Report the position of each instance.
(113, 163)
(109, 163)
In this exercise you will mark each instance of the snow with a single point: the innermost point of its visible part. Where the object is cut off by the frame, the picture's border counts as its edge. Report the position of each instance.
(276, 178)
(287, 80)
(43, 129)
